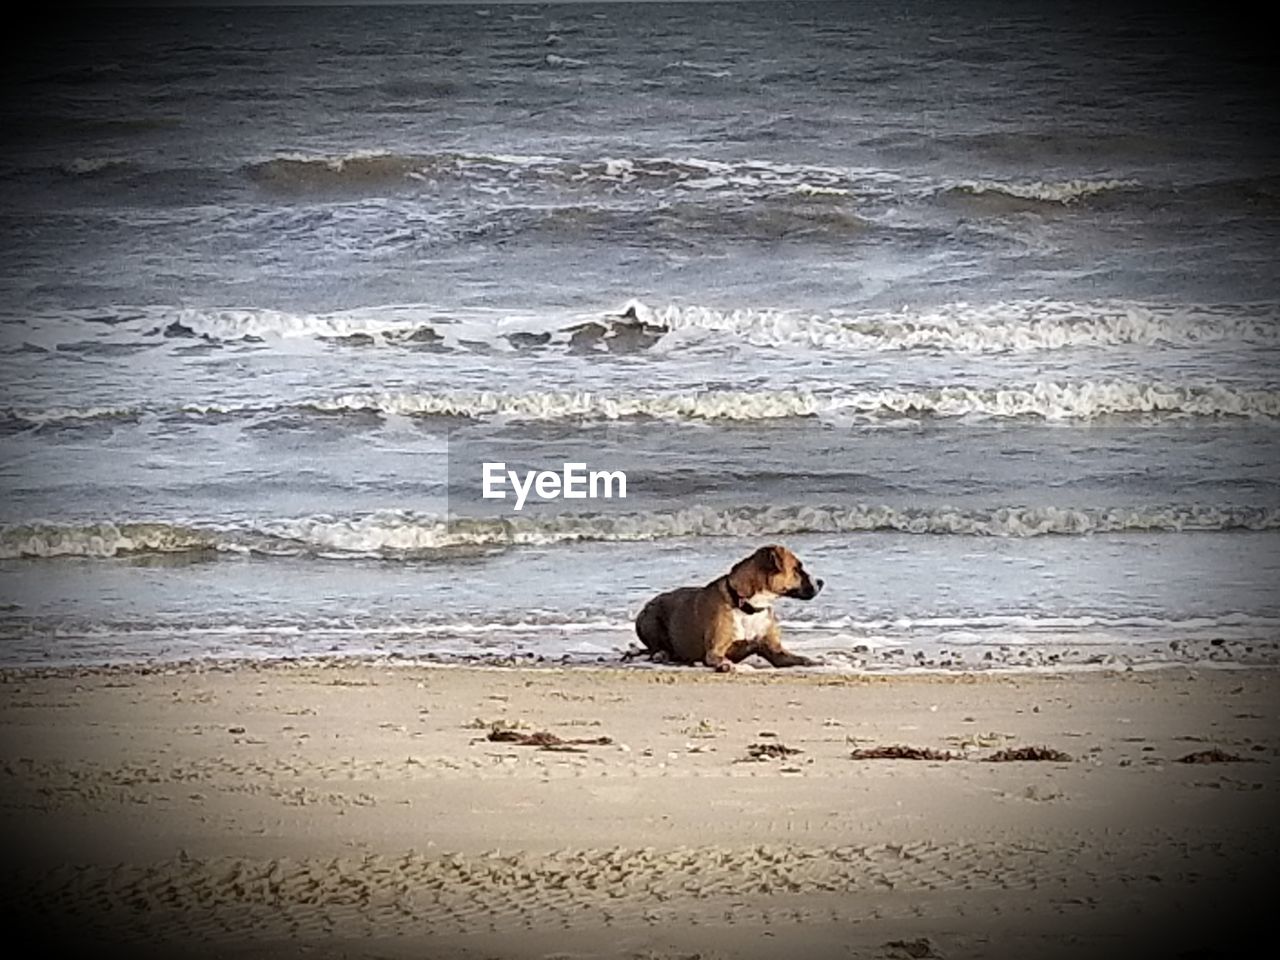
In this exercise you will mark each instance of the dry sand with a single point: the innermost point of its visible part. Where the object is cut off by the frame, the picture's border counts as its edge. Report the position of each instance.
(327, 809)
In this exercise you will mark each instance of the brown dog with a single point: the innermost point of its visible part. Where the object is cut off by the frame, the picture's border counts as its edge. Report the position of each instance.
(731, 617)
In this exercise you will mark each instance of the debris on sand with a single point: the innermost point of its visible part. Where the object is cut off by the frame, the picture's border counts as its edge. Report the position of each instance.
(770, 751)
(1014, 754)
(546, 741)
(913, 949)
(900, 752)
(1214, 756)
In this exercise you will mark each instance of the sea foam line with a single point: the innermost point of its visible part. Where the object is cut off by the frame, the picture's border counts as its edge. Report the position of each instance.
(1063, 192)
(364, 170)
(1009, 326)
(1050, 401)
(102, 540)
(1003, 326)
(405, 533)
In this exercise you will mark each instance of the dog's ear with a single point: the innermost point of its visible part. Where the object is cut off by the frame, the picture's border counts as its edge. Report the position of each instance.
(773, 558)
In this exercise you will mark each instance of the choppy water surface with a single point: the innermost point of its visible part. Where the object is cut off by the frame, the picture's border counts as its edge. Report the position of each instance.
(976, 311)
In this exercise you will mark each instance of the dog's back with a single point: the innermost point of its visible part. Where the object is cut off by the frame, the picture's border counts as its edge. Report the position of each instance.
(654, 627)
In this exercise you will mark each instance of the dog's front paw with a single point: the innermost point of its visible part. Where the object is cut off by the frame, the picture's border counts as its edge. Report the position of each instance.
(724, 666)
(793, 660)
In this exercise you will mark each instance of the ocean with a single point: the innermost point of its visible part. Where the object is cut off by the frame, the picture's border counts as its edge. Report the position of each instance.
(974, 308)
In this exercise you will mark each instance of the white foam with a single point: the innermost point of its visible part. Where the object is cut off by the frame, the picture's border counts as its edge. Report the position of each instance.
(812, 190)
(99, 540)
(55, 415)
(514, 159)
(232, 325)
(703, 69)
(754, 175)
(1000, 327)
(774, 177)
(1007, 326)
(1082, 401)
(385, 531)
(720, 405)
(1065, 192)
(1085, 400)
(1023, 624)
(396, 532)
(1011, 522)
(622, 169)
(555, 60)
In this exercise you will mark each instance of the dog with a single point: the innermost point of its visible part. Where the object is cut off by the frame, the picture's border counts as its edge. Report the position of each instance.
(730, 618)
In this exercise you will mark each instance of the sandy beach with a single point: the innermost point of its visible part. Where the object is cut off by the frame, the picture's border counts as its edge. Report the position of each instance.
(362, 810)
(367, 370)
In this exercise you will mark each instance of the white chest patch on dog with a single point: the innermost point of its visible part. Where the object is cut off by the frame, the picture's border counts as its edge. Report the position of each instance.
(751, 626)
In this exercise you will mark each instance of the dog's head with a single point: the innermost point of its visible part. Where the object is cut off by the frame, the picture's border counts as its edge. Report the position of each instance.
(774, 571)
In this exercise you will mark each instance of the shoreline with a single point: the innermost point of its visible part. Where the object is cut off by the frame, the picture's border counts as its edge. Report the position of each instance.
(1218, 656)
(330, 808)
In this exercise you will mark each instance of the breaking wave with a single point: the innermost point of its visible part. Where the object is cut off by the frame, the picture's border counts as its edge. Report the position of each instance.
(101, 540)
(351, 170)
(1049, 401)
(1083, 401)
(748, 178)
(401, 532)
(1059, 192)
(372, 169)
(1249, 192)
(1009, 326)
(394, 534)
(255, 324)
(1001, 327)
(769, 218)
(555, 60)
(65, 416)
(532, 178)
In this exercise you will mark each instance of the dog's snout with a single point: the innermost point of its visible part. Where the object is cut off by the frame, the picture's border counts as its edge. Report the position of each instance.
(808, 587)
(820, 583)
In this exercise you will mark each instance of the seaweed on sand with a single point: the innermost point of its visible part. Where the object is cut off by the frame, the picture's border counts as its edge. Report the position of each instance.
(900, 752)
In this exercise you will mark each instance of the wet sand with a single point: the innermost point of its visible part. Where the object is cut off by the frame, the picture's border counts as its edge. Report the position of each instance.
(362, 810)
